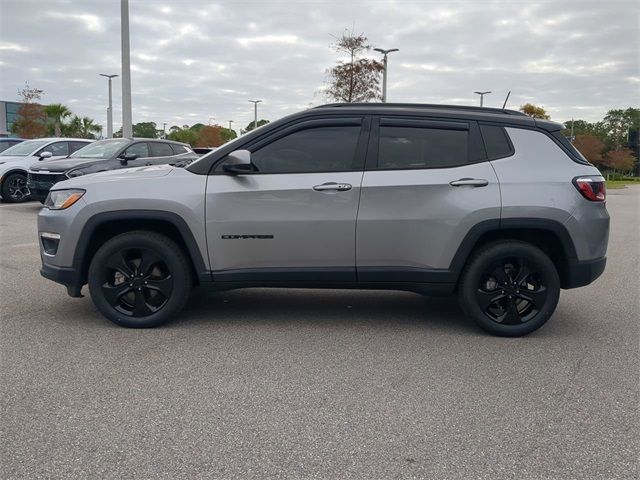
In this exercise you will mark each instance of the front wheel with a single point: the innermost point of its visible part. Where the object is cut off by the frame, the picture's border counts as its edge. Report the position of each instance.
(509, 288)
(14, 188)
(139, 279)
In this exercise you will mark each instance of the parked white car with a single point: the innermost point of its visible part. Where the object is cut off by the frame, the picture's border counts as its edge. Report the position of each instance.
(15, 162)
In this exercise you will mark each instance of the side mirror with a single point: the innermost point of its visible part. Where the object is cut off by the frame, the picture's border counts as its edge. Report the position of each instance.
(238, 161)
(127, 157)
(45, 155)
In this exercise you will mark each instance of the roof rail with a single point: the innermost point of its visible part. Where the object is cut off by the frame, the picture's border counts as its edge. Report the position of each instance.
(424, 105)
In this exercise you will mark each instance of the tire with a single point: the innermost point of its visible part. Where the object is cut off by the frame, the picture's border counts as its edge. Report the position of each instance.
(14, 188)
(140, 279)
(509, 288)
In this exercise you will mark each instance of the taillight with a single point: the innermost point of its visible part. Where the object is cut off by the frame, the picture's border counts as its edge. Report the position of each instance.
(592, 188)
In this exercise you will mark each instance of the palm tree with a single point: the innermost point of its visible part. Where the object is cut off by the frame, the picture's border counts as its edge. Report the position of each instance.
(57, 112)
(88, 128)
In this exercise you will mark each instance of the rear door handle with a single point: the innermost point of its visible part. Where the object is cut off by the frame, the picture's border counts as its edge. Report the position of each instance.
(340, 187)
(472, 182)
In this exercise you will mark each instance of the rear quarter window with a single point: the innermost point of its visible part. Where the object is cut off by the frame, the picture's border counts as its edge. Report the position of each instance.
(496, 142)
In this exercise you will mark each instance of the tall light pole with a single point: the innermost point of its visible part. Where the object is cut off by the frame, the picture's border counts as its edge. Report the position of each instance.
(164, 130)
(384, 72)
(110, 107)
(255, 112)
(127, 126)
(482, 94)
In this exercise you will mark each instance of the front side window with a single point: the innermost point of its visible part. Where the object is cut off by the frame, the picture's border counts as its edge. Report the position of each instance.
(57, 149)
(139, 149)
(319, 149)
(418, 147)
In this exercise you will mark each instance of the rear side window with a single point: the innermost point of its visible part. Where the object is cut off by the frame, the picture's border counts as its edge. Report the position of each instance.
(75, 146)
(417, 147)
(179, 149)
(159, 149)
(496, 142)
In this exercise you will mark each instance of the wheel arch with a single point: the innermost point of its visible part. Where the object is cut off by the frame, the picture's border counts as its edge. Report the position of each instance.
(104, 226)
(549, 235)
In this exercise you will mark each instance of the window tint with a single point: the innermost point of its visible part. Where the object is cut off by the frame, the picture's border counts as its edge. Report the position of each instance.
(179, 149)
(75, 146)
(321, 149)
(496, 141)
(159, 149)
(416, 147)
(140, 149)
(57, 149)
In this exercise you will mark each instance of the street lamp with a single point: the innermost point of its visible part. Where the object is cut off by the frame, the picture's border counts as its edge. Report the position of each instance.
(384, 72)
(110, 107)
(482, 94)
(255, 112)
(127, 126)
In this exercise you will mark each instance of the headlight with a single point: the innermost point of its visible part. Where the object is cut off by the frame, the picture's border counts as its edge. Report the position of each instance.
(61, 199)
(75, 173)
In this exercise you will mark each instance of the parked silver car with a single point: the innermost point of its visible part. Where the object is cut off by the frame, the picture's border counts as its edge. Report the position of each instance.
(491, 204)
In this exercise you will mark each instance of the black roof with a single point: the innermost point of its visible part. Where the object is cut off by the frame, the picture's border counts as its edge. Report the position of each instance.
(424, 106)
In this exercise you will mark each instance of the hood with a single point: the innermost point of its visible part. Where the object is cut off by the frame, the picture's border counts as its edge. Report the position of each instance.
(120, 175)
(65, 164)
(11, 158)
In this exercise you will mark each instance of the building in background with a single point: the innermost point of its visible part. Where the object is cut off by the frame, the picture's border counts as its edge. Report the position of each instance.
(8, 115)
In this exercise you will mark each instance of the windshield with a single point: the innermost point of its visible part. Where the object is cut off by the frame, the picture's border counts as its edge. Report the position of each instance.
(100, 149)
(25, 148)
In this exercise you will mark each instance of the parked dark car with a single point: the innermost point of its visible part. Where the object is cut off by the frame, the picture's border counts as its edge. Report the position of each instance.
(106, 155)
(9, 142)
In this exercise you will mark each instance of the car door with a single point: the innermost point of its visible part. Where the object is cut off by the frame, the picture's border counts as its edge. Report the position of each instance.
(293, 218)
(427, 184)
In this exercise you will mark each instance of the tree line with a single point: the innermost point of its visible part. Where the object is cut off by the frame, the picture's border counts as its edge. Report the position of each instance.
(35, 120)
(605, 143)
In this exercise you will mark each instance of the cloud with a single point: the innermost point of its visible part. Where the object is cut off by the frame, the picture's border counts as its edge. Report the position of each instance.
(14, 47)
(193, 60)
(89, 21)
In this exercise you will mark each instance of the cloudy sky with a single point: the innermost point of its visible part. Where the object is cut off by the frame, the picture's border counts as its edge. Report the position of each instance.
(196, 59)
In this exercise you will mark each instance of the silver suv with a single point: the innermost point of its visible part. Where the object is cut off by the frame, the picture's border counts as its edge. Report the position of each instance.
(488, 203)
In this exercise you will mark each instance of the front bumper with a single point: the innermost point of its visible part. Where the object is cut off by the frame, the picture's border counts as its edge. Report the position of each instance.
(67, 276)
(39, 184)
(579, 274)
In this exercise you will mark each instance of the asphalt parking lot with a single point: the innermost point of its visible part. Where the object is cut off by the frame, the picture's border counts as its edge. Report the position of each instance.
(318, 384)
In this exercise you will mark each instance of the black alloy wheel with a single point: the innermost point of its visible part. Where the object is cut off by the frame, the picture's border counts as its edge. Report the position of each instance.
(140, 279)
(509, 288)
(511, 291)
(14, 188)
(137, 282)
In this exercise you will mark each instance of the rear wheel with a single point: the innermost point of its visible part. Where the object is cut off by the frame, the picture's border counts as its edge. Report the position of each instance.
(139, 279)
(14, 188)
(510, 288)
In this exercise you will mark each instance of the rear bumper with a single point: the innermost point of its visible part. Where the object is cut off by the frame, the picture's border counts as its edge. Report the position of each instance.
(67, 276)
(580, 274)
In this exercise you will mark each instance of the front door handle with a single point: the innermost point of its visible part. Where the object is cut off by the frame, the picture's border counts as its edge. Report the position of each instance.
(471, 182)
(340, 187)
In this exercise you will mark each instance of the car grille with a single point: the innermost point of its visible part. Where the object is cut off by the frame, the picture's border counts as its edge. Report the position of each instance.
(41, 183)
